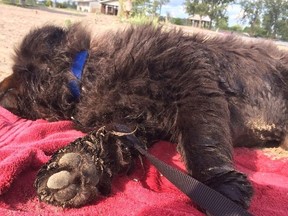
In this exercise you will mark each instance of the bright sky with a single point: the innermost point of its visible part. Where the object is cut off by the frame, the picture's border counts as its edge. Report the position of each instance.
(176, 9)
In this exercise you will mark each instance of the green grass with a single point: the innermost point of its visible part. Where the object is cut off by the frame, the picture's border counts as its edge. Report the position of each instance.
(68, 23)
(140, 19)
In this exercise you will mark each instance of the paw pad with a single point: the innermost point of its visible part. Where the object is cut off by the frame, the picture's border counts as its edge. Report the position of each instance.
(59, 180)
(70, 159)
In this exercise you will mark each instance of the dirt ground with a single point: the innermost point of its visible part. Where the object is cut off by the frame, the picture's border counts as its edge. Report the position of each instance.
(16, 22)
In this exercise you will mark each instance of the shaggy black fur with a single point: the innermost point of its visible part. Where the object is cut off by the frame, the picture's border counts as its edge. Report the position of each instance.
(206, 94)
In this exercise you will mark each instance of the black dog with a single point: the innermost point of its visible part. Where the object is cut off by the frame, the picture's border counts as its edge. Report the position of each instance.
(206, 94)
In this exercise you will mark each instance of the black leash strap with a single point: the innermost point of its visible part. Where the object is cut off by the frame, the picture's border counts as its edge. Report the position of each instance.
(212, 201)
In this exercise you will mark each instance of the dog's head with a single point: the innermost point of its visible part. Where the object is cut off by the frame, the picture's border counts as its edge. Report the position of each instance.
(38, 86)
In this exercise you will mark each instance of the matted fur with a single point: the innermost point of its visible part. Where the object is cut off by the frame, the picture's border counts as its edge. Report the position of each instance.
(206, 94)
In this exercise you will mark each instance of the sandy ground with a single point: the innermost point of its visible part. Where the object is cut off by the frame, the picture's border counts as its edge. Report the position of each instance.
(16, 22)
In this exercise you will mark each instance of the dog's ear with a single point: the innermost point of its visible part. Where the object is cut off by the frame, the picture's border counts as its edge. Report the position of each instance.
(78, 38)
(39, 45)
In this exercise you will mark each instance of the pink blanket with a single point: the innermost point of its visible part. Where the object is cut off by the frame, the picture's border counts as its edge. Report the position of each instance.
(25, 145)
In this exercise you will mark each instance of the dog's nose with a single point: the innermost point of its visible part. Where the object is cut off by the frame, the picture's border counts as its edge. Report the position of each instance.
(8, 95)
(8, 100)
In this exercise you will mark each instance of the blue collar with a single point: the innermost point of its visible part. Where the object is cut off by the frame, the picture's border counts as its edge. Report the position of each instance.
(77, 69)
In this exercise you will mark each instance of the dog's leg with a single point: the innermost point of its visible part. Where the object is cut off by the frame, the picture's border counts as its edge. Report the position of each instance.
(82, 170)
(205, 144)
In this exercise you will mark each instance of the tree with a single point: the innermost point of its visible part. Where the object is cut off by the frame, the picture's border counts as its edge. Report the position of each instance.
(161, 3)
(252, 10)
(275, 14)
(149, 7)
(266, 17)
(215, 9)
(282, 29)
(157, 6)
(223, 23)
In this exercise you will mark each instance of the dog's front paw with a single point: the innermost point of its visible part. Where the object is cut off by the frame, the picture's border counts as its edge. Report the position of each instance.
(234, 185)
(75, 174)
(69, 181)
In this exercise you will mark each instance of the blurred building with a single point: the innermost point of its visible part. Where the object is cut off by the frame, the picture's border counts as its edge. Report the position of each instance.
(98, 6)
(199, 21)
(110, 7)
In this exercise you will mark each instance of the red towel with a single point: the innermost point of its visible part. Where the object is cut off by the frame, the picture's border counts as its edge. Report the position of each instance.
(25, 145)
